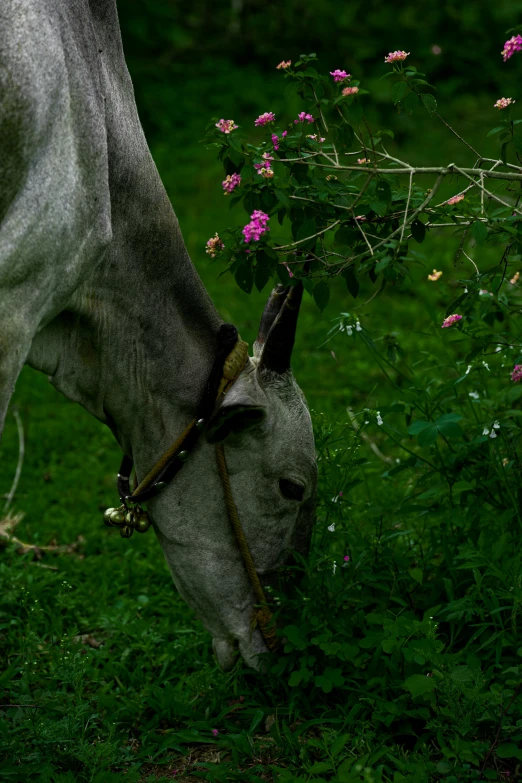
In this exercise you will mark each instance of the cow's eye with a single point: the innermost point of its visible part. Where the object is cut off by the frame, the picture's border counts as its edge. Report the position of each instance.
(291, 490)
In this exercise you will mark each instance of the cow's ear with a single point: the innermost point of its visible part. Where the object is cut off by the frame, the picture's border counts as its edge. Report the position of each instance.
(243, 408)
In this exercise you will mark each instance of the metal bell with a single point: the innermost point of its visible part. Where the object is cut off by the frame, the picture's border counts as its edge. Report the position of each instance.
(107, 516)
(142, 523)
(117, 516)
(182, 456)
(126, 531)
(200, 424)
(129, 518)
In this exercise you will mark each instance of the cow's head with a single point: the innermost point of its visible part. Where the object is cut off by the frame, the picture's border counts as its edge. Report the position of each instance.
(266, 431)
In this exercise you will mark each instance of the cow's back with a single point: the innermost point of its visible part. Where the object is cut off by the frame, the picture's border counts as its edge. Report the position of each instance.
(54, 195)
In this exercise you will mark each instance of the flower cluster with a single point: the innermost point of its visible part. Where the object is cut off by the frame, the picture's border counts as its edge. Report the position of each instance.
(231, 182)
(503, 103)
(227, 126)
(340, 76)
(350, 91)
(510, 47)
(491, 433)
(304, 117)
(275, 139)
(361, 161)
(284, 64)
(214, 246)
(434, 275)
(455, 199)
(257, 226)
(264, 168)
(265, 118)
(450, 320)
(315, 137)
(397, 56)
(516, 375)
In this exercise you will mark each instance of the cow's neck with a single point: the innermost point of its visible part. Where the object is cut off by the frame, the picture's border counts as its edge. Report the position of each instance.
(137, 340)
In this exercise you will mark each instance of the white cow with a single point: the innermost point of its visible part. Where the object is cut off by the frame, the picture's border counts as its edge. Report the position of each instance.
(98, 292)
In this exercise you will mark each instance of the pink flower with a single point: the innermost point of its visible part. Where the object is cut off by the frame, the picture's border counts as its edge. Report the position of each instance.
(510, 47)
(450, 320)
(304, 117)
(514, 279)
(290, 273)
(346, 558)
(315, 137)
(275, 141)
(227, 126)
(264, 168)
(397, 56)
(455, 199)
(284, 134)
(257, 226)
(214, 246)
(350, 91)
(340, 76)
(516, 375)
(503, 103)
(215, 732)
(436, 49)
(434, 275)
(231, 182)
(362, 160)
(284, 64)
(485, 292)
(265, 118)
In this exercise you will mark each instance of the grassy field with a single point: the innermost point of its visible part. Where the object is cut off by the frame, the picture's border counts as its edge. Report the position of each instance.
(400, 663)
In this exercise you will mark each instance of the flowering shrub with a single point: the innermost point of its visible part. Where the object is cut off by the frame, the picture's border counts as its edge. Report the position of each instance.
(419, 615)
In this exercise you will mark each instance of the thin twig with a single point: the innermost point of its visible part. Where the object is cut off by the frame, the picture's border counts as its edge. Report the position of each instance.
(407, 207)
(21, 452)
(367, 438)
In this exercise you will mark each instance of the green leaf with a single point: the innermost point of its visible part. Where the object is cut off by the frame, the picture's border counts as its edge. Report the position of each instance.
(399, 90)
(496, 130)
(418, 426)
(509, 751)
(517, 142)
(282, 197)
(417, 574)
(410, 103)
(321, 294)
(418, 231)
(355, 113)
(479, 231)
(429, 102)
(245, 277)
(351, 281)
(419, 684)
(321, 766)
(382, 264)
(346, 237)
(338, 744)
(262, 275)
(383, 191)
(428, 436)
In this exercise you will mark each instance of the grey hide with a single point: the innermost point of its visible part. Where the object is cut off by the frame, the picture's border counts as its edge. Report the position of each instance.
(98, 292)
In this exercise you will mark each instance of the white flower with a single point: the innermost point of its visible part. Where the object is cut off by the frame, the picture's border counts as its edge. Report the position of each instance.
(496, 426)
(349, 331)
(334, 567)
(379, 420)
(485, 431)
(492, 434)
(358, 327)
(498, 348)
(486, 365)
(469, 368)
(331, 527)
(475, 395)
